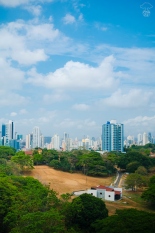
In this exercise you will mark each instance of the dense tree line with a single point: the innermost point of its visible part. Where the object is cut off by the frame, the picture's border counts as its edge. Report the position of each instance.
(134, 157)
(90, 163)
(149, 193)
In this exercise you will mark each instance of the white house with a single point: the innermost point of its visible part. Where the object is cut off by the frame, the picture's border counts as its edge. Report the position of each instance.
(107, 193)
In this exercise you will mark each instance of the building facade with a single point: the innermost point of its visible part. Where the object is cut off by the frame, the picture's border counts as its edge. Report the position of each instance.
(112, 136)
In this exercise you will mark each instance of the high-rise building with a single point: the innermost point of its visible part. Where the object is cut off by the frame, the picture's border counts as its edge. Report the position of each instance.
(7, 132)
(140, 139)
(36, 137)
(145, 139)
(149, 138)
(29, 141)
(56, 142)
(3, 130)
(112, 136)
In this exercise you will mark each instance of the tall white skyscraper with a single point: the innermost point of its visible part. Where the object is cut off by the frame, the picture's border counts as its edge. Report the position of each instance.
(29, 141)
(36, 137)
(56, 142)
(112, 136)
(145, 139)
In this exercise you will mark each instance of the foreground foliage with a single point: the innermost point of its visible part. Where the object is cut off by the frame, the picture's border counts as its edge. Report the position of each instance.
(84, 210)
(149, 194)
(126, 221)
(26, 206)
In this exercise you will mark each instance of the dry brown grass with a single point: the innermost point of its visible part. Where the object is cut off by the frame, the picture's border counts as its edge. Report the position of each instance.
(64, 182)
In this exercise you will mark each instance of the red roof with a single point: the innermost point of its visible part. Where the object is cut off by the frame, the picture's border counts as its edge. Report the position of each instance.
(28, 152)
(117, 192)
(107, 189)
(104, 187)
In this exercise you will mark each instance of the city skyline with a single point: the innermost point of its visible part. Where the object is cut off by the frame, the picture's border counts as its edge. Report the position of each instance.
(112, 139)
(9, 129)
(72, 65)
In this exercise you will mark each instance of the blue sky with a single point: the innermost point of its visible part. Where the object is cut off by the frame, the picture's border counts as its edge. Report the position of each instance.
(71, 65)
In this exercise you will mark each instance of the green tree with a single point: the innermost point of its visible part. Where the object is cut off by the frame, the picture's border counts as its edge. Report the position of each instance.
(141, 170)
(41, 222)
(126, 221)
(132, 167)
(38, 158)
(21, 196)
(135, 181)
(9, 168)
(83, 211)
(149, 194)
(6, 152)
(132, 156)
(24, 161)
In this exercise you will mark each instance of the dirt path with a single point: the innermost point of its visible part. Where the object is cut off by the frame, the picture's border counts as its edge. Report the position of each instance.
(64, 182)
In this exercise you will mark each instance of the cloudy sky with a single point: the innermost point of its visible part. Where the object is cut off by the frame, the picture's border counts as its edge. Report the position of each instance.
(71, 65)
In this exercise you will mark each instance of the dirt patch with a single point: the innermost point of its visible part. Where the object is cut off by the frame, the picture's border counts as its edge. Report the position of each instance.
(64, 182)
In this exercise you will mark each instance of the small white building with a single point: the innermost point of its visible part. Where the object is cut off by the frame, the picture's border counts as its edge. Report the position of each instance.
(103, 192)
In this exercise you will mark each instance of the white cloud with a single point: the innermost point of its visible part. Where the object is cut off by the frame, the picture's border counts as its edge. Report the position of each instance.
(136, 63)
(78, 75)
(15, 3)
(69, 19)
(80, 18)
(29, 57)
(101, 27)
(35, 10)
(139, 120)
(81, 107)
(78, 124)
(10, 78)
(26, 42)
(13, 114)
(23, 111)
(55, 97)
(42, 119)
(139, 124)
(50, 19)
(130, 99)
(42, 32)
(13, 99)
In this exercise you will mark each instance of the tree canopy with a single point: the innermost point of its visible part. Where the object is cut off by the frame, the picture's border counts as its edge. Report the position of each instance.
(149, 194)
(84, 210)
(127, 220)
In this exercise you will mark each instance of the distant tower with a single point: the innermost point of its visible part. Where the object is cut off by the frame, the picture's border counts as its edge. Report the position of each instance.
(3, 130)
(140, 139)
(145, 139)
(65, 136)
(112, 136)
(56, 142)
(29, 141)
(36, 137)
(149, 138)
(9, 132)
